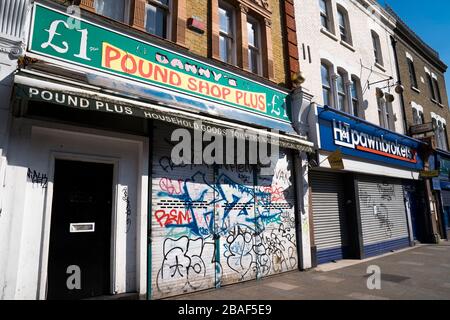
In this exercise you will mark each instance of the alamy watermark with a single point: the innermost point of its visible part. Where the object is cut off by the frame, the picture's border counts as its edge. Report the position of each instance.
(214, 145)
(374, 279)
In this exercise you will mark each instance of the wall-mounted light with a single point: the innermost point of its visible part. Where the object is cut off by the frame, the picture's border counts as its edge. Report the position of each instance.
(390, 98)
(298, 79)
(399, 89)
(380, 93)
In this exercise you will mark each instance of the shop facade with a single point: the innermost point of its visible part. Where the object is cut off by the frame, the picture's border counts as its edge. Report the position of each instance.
(441, 185)
(96, 203)
(363, 187)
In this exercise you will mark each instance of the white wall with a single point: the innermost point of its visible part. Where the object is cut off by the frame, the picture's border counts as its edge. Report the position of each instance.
(13, 15)
(25, 225)
(322, 46)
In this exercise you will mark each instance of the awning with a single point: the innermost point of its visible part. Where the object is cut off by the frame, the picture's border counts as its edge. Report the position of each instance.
(79, 95)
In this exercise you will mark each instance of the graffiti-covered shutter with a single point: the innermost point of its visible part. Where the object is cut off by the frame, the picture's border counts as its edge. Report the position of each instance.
(383, 214)
(276, 245)
(218, 225)
(330, 237)
(182, 246)
(235, 208)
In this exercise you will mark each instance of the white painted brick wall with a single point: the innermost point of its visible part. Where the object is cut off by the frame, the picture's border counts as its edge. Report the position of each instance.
(362, 21)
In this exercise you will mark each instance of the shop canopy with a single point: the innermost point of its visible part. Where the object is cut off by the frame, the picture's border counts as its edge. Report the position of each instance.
(95, 92)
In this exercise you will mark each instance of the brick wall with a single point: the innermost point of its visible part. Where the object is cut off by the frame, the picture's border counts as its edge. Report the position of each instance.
(195, 42)
(200, 43)
(423, 97)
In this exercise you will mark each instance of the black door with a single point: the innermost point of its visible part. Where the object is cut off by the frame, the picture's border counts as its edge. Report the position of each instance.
(80, 235)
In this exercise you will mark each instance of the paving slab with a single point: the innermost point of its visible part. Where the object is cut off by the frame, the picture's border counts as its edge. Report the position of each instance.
(421, 272)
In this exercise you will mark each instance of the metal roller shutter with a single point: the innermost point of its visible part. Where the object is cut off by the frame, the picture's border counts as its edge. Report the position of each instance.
(445, 198)
(328, 215)
(217, 225)
(235, 208)
(383, 215)
(182, 217)
(276, 245)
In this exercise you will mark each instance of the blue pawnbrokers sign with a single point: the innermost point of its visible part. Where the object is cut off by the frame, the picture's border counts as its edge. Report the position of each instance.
(361, 139)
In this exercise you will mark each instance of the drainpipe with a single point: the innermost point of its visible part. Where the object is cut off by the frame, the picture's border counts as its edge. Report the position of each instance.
(399, 80)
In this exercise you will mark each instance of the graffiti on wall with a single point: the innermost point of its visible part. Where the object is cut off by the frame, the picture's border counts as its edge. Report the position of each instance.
(380, 210)
(126, 199)
(37, 178)
(219, 223)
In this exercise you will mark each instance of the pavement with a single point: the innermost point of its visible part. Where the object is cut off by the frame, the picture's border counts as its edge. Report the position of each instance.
(418, 273)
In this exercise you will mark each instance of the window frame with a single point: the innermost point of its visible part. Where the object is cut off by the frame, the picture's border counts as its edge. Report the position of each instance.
(258, 37)
(431, 87)
(418, 117)
(341, 74)
(325, 15)
(345, 36)
(126, 15)
(328, 88)
(412, 74)
(169, 13)
(437, 90)
(384, 113)
(233, 26)
(356, 87)
(376, 43)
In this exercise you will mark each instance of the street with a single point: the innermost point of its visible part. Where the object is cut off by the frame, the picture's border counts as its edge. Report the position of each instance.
(419, 273)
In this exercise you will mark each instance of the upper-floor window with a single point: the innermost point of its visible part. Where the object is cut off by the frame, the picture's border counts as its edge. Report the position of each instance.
(418, 117)
(254, 45)
(385, 111)
(355, 92)
(438, 90)
(440, 134)
(157, 13)
(341, 91)
(325, 14)
(227, 40)
(431, 87)
(412, 73)
(326, 84)
(344, 25)
(444, 141)
(377, 48)
(114, 9)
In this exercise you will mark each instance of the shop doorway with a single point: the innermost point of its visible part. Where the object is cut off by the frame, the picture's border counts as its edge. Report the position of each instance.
(80, 234)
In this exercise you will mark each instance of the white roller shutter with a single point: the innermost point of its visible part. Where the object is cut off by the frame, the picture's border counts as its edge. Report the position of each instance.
(328, 215)
(383, 214)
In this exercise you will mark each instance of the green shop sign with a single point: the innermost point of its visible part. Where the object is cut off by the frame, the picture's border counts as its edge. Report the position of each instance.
(58, 35)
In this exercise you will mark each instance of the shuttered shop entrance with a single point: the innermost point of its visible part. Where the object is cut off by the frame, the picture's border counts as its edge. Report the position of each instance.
(328, 215)
(383, 215)
(217, 225)
(445, 194)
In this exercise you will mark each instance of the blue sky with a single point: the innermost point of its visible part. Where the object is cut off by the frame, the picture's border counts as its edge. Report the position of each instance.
(431, 21)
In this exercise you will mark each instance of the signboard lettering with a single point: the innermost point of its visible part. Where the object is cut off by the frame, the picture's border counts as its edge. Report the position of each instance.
(109, 51)
(347, 137)
(360, 139)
